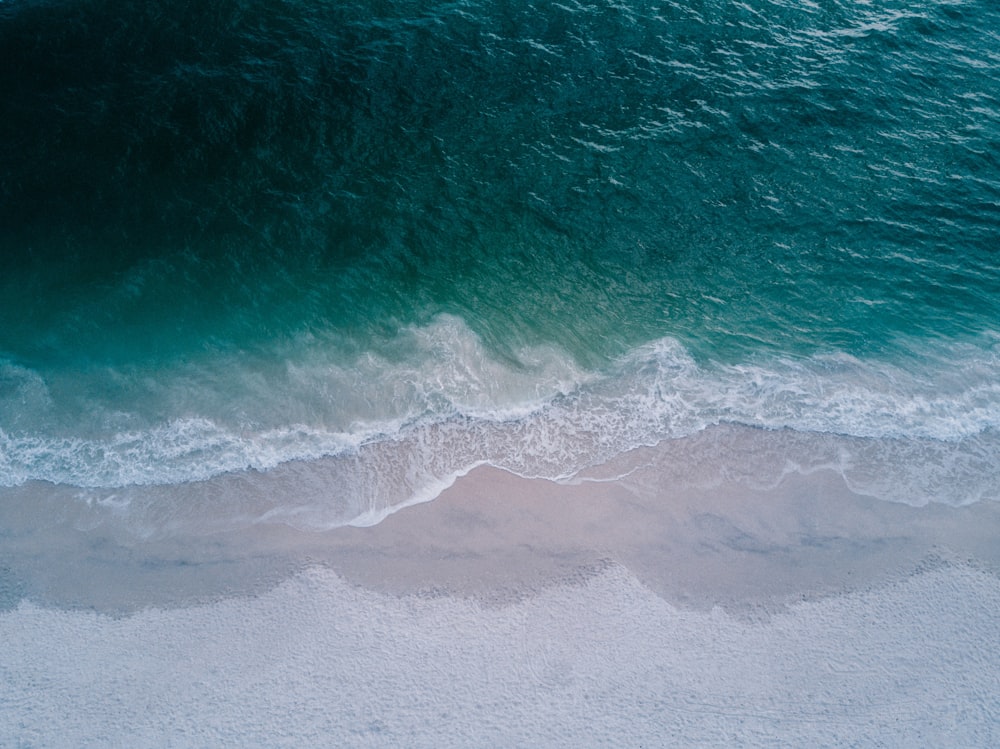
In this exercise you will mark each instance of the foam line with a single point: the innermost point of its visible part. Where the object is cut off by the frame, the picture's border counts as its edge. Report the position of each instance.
(448, 406)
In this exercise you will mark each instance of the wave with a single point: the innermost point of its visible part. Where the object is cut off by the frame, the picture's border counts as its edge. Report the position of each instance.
(396, 424)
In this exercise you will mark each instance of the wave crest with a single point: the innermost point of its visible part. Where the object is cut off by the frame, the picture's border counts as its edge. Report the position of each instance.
(402, 422)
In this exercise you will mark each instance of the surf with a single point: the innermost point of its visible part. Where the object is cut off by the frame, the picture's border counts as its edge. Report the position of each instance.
(399, 428)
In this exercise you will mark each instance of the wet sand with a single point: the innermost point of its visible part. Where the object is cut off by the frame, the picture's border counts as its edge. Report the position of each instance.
(499, 537)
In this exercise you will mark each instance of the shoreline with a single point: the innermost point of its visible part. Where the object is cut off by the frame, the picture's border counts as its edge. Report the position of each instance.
(499, 537)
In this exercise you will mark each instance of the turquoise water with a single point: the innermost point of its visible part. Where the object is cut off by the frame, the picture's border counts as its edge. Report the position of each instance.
(249, 233)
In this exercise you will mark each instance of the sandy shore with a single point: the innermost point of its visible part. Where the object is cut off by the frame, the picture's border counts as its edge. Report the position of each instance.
(697, 543)
(512, 611)
(497, 535)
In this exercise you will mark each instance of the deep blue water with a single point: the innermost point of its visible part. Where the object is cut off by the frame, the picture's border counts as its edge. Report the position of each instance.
(237, 234)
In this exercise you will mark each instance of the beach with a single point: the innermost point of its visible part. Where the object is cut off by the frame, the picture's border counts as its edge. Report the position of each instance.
(513, 611)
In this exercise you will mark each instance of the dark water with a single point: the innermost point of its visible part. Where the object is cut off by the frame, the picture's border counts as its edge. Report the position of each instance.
(236, 234)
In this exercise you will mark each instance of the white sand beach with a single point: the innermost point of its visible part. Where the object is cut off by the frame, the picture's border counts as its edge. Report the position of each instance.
(518, 612)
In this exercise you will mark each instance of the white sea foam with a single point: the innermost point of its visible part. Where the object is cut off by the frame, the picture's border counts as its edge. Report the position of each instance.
(406, 419)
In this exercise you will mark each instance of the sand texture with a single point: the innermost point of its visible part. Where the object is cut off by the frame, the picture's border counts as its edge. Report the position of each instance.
(517, 612)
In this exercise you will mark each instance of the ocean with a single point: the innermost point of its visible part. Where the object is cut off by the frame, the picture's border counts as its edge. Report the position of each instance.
(308, 262)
